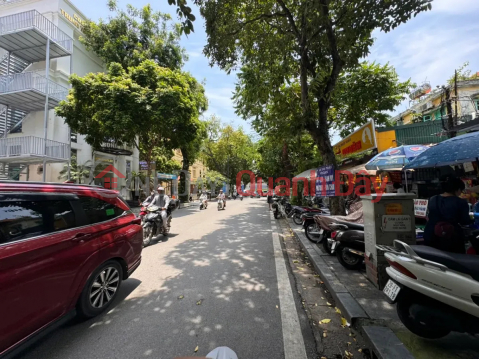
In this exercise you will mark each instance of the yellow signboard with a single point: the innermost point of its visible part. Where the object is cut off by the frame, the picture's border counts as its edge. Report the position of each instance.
(394, 208)
(75, 19)
(359, 141)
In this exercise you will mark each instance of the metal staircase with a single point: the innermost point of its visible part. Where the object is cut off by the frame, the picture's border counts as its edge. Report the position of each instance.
(14, 116)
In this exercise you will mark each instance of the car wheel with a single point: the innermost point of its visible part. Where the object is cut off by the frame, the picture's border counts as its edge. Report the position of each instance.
(297, 219)
(347, 259)
(423, 330)
(147, 236)
(100, 290)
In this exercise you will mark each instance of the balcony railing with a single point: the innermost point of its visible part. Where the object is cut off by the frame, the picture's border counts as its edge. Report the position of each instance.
(33, 147)
(33, 19)
(32, 81)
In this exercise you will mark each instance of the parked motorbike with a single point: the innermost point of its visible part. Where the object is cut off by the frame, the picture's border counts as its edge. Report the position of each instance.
(278, 207)
(347, 242)
(435, 292)
(314, 232)
(153, 223)
(297, 211)
(221, 204)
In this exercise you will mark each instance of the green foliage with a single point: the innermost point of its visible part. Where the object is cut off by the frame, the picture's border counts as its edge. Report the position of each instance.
(78, 173)
(463, 74)
(133, 36)
(226, 150)
(211, 180)
(152, 104)
(367, 92)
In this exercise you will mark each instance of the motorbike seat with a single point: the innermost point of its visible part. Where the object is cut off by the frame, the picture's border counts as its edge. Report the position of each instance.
(352, 225)
(463, 263)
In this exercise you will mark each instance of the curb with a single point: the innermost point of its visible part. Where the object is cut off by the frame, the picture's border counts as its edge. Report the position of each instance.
(384, 343)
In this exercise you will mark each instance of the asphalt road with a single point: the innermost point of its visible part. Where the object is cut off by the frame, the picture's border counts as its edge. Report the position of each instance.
(213, 282)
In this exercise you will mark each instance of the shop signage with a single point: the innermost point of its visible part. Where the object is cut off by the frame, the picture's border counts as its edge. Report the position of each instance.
(396, 223)
(420, 208)
(468, 167)
(363, 139)
(75, 19)
(167, 176)
(325, 181)
(144, 165)
(393, 208)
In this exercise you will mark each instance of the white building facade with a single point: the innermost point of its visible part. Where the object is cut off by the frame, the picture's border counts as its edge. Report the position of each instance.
(39, 49)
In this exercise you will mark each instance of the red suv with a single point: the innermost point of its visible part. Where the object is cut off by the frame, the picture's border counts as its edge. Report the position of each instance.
(64, 249)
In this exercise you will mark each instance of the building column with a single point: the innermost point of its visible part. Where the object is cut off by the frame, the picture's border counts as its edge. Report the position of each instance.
(45, 116)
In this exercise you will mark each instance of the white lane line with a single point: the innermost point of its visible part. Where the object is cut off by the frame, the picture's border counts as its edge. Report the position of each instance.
(292, 335)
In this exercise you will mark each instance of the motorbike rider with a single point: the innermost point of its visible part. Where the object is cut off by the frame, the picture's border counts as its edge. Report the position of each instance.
(162, 201)
(222, 196)
(204, 199)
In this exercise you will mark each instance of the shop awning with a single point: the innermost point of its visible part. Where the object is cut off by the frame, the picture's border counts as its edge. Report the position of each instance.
(362, 169)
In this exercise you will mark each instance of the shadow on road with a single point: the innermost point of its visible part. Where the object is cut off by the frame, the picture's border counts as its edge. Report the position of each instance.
(222, 291)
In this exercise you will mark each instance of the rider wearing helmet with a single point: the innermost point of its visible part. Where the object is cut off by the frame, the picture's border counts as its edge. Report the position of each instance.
(204, 199)
(161, 200)
(223, 197)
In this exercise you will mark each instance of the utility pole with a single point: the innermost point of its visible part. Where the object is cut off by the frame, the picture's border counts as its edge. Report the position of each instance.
(450, 118)
(455, 100)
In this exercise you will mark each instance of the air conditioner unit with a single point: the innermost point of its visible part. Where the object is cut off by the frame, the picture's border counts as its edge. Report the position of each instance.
(423, 107)
(429, 105)
(14, 150)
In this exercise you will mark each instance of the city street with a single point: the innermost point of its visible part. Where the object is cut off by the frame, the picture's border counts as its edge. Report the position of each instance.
(214, 282)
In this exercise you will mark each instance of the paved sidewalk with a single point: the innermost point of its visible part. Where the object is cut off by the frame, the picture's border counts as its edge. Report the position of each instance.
(364, 306)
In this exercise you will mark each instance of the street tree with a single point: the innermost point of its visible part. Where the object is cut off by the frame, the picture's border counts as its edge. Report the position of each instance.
(132, 36)
(312, 41)
(147, 106)
(228, 150)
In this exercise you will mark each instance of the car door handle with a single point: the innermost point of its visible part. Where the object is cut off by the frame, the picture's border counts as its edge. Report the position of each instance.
(81, 237)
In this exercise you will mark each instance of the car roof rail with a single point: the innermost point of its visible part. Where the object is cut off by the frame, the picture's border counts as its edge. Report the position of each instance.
(53, 183)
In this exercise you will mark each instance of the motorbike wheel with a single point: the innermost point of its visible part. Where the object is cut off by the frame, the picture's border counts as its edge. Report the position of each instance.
(420, 329)
(326, 245)
(147, 236)
(312, 238)
(297, 219)
(277, 215)
(347, 259)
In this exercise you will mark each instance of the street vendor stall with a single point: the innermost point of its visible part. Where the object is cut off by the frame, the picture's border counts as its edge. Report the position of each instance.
(458, 155)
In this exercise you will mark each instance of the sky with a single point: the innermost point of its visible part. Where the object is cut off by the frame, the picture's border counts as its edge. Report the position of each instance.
(427, 48)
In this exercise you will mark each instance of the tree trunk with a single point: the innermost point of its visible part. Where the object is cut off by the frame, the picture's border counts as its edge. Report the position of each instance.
(186, 183)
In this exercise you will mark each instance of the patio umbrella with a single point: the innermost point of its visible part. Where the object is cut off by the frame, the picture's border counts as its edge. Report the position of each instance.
(454, 151)
(395, 158)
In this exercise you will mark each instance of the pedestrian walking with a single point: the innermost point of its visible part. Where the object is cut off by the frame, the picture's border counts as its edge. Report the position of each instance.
(270, 199)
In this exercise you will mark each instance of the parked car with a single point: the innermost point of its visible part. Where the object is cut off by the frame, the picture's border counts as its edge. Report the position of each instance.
(64, 250)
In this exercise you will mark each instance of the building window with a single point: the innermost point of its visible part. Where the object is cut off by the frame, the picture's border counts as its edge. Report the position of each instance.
(194, 173)
(426, 118)
(74, 137)
(476, 105)
(437, 115)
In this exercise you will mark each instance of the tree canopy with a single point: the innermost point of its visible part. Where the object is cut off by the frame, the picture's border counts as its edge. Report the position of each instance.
(147, 106)
(132, 36)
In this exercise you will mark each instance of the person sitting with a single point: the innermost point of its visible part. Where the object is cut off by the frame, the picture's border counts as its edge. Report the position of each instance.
(222, 196)
(204, 199)
(446, 213)
(162, 201)
(398, 187)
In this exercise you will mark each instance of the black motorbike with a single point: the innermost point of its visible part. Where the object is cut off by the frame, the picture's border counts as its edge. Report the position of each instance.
(278, 206)
(314, 232)
(347, 242)
(153, 223)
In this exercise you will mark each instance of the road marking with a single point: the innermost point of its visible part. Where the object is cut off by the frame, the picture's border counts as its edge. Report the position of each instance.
(292, 335)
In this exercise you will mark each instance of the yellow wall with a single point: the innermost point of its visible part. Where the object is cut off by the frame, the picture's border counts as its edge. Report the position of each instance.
(385, 140)
(196, 169)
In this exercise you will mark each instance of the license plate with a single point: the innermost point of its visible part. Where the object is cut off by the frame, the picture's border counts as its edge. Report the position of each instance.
(391, 290)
